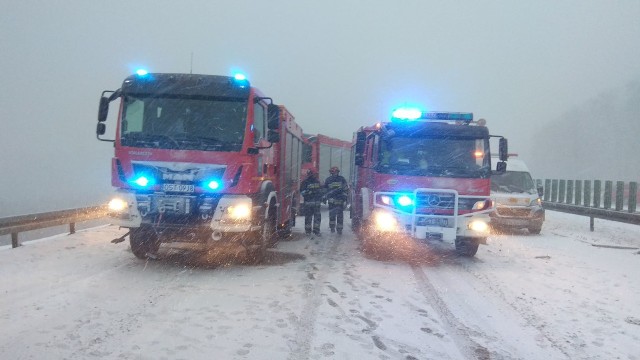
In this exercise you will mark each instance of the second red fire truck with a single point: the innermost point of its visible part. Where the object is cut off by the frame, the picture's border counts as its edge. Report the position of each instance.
(201, 158)
(425, 176)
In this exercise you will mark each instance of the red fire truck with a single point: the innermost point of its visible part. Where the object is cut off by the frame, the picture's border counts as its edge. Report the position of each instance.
(201, 158)
(424, 176)
(321, 152)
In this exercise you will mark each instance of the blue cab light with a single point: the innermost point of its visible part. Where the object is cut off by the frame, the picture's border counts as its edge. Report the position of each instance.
(404, 200)
(239, 77)
(211, 184)
(407, 114)
(143, 181)
(142, 72)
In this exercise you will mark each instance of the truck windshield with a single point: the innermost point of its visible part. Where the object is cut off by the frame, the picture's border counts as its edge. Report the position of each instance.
(183, 123)
(438, 157)
(513, 182)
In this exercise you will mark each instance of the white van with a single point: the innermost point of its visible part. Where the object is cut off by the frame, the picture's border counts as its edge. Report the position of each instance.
(516, 198)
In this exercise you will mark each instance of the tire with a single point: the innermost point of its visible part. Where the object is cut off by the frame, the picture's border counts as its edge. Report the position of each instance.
(467, 246)
(534, 229)
(263, 239)
(143, 240)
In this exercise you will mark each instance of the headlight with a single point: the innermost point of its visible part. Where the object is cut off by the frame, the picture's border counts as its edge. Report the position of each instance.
(536, 202)
(385, 221)
(117, 205)
(483, 204)
(239, 212)
(479, 226)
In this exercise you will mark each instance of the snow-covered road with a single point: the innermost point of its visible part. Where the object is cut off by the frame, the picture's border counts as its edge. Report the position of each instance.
(548, 296)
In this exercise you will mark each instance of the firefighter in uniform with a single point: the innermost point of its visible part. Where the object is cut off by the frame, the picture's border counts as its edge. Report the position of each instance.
(311, 190)
(336, 194)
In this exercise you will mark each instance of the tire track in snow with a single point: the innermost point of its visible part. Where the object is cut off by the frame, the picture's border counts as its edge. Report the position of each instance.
(305, 326)
(459, 333)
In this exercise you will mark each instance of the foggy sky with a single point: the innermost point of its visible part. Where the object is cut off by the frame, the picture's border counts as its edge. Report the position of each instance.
(337, 65)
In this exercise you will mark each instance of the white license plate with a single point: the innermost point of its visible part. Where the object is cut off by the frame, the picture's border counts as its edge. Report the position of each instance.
(436, 222)
(177, 187)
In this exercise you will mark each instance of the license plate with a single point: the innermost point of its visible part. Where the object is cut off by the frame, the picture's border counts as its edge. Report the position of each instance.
(177, 187)
(436, 222)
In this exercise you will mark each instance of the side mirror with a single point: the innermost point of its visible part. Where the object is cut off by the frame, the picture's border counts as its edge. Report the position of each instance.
(101, 129)
(503, 150)
(273, 117)
(359, 159)
(103, 109)
(540, 191)
(501, 167)
(361, 138)
(273, 136)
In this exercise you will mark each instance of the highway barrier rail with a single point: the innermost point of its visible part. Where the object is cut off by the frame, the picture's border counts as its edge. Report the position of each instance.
(17, 224)
(592, 199)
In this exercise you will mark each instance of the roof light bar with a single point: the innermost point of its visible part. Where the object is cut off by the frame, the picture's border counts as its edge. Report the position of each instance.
(410, 114)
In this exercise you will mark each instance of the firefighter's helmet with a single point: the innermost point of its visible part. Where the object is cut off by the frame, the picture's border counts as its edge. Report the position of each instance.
(334, 170)
(310, 173)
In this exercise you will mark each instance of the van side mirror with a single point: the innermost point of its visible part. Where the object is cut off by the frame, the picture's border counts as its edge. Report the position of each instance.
(503, 149)
(501, 167)
(273, 117)
(540, 191)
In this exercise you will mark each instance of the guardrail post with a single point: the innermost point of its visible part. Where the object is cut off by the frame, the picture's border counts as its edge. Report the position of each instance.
(14, 240)
(597, 193)
(547, 189)
(72, 228)
(578, 192)
(562, 191)
(633, 196)
(587, 193)
(554, 190)
(619, 195)
(569, 191)
(608, 187)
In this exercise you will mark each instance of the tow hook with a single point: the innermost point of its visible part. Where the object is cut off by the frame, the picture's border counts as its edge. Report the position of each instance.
(121, 238)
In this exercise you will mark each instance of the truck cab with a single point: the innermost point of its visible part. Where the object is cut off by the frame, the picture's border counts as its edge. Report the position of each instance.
(516, 198)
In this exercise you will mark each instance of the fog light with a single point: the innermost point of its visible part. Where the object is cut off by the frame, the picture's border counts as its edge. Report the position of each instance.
(117, 205)
(239, 212)
(385, 221)
(479, 226)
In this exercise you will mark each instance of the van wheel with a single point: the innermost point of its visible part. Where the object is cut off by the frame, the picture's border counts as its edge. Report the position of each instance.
(534, 229)
(467, 246)
(144, 240)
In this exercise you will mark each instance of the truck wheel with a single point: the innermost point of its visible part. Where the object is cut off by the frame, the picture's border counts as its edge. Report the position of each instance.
(534, 229)
(263, 239)
(467, 246)
(143, 240)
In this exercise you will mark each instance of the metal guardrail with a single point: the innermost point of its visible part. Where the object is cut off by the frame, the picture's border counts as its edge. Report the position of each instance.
(579, 197)
(17, 224)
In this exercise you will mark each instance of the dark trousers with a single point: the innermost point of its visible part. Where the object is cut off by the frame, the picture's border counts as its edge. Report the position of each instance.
(312, 213)
(336, 214)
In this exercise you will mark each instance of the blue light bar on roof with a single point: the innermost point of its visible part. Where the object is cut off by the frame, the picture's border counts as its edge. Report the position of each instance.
(413, 114)
(447, 116)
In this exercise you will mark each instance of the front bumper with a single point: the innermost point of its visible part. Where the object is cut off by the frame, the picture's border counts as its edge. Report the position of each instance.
(518, 216)
(186, 212)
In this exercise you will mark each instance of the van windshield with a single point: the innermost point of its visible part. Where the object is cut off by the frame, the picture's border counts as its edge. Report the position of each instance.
(513, 182)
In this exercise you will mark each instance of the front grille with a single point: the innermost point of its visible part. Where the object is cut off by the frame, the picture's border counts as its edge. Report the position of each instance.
(513, 212)
(435, 203)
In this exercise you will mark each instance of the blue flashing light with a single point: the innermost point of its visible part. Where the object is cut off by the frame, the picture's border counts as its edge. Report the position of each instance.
(213, 184)
(239, 77)
(448, 116)
(407, 114)
(143, 181)
(142, 72)
(404, 200)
